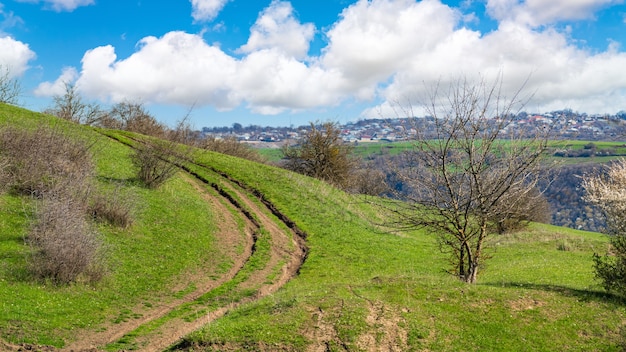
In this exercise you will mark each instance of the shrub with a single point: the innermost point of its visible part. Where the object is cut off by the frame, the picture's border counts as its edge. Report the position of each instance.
(156, 161)
(608, 193)
(64, 247)
(56, 169)
(71, 106)
(368, 181)
(38, 160)
(521, 207)
(112, 207)
(321, 153)
(10, 88)
(133, 117)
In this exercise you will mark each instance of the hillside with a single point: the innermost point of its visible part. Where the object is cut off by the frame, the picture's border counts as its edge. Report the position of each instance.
(234, 255)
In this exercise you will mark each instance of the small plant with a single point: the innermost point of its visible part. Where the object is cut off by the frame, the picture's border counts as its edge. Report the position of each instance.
(564, 246)
(156, 162)
(112, 207)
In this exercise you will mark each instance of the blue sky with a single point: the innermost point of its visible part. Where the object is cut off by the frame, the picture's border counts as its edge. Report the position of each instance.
(290, 62)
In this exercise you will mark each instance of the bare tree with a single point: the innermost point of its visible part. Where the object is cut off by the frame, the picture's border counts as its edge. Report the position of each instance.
(132, 116)
(608, 193)
(468, 170)
(321, 153)
(71, 106)
(10, 88)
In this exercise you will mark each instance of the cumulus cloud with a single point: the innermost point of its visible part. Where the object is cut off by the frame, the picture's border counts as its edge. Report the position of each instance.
(542, 12)
(177, 68)
(206, 10)
(378, 51)
(49, 89)
(374, 40)
(277, 28)
(15, 55)
(62, 5)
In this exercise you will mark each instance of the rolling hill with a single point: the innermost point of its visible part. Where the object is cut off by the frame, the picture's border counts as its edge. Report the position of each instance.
(235, 255)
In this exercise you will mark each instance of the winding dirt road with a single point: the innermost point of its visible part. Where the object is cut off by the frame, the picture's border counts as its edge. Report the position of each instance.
(286, 255)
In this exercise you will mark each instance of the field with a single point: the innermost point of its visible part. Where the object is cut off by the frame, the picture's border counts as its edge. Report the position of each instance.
(382, 148)
(234, 255)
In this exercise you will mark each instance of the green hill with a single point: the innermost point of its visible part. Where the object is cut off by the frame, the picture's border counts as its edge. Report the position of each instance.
(234, 255)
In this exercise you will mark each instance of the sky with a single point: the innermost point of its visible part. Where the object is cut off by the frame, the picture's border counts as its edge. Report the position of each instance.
(288, 63)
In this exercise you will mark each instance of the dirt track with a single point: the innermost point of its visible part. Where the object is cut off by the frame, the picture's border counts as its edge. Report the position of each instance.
(232, 202)
(286, 255)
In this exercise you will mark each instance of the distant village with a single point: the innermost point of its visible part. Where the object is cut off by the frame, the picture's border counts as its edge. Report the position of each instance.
(566, 124)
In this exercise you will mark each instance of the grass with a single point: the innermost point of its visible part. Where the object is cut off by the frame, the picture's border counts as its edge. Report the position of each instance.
(173, 236)
(359, 287)
(532, 295)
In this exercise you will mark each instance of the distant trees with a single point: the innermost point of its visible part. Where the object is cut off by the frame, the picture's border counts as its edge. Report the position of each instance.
(10, 88)
(321, 153)
(471, 174)
(608, 193)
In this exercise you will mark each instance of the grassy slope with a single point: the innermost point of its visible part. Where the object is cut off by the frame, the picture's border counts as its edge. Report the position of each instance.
(172, 237)
(356, 285)
(532, 295)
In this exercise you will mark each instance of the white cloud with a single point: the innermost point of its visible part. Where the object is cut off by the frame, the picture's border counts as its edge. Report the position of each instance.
(49, 89)
(271, 82)
(62, 5)
(277, 28)
(378, 50)
(206, 10)
(15, 55)
(374, 40)
(541, 12)
(178, 68)
(8, 20)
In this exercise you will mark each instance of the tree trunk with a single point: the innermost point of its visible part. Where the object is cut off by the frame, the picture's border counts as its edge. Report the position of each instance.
(472, 273)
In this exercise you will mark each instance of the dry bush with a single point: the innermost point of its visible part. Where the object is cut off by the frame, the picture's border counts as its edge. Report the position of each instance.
(156, 161)
(38, 160)
(184, 133)
(133, 117)
(369, 181)
(71, 106)
(519, 208)
(65, 248)
(56, 169)
(113, 207)
(231, 146)
(608, 193)
(10, 88)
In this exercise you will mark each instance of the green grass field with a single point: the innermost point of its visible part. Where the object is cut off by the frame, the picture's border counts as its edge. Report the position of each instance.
(361, 286)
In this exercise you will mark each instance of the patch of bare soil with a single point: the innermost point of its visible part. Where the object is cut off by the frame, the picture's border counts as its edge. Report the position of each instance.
(385, 333)
(323, 333)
